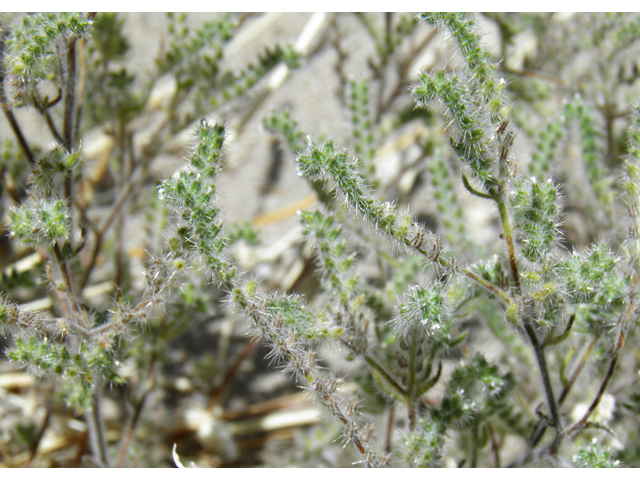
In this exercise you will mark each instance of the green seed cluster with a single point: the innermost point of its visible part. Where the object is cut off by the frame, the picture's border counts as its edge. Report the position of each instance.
(536, 213)
(44, 223)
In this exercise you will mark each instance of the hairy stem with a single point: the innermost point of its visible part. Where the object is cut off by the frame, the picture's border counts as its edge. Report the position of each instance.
(538, 348)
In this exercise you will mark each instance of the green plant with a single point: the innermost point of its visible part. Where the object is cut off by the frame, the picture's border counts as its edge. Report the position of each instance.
(82, 344)
(397, 299)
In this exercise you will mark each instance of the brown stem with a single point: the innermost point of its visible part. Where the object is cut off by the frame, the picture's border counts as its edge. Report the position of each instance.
(69, 87)
(576, 372)
(133, 181)
(538, 348)
(401, 84)
(603, 387)
(390, 422)
(219, 390)
(584, 421)
(411, 415)
(343, 79)
(544, 372)
(140, 456)
(55, 101)
(66, 278)
(69, 94)
(52, 126)
(528, 73)
(92, 261)
(18, 133)
(494, 445)
(611, 146)
(82, 447)
(541, 428)
(625, 317)
(43, 109)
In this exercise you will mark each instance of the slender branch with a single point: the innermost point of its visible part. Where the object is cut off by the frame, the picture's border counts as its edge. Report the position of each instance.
(584, 421)
(489, 286)
(384, 374)
(386, 102)
(411, 383)
(96, 428)
(124, 193)
(576, 372)
(494, 445)
(66, 278)
(134, 180)
(125, 168)
(603, 387)
(34, 446)
(538, 348)
(92, 261)
(451, 264)
(66, 309)
(528, 73)
(541, 428)
(563, 336)
(43, 109)
(430, 382)
(55, 101)
(388, 39)
(136, 415)
(388, 446)
(69, 94)
(473, 191)
(508, 235)
(544, 372)
(82, 447)
(81, 84)
(17, 131)
(69, 91)
(219, 390)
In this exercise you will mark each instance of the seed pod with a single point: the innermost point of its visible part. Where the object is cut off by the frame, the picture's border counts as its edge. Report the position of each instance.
(425, 242)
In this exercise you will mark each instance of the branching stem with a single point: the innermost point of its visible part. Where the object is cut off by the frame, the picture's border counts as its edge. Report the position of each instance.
(538, 348)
